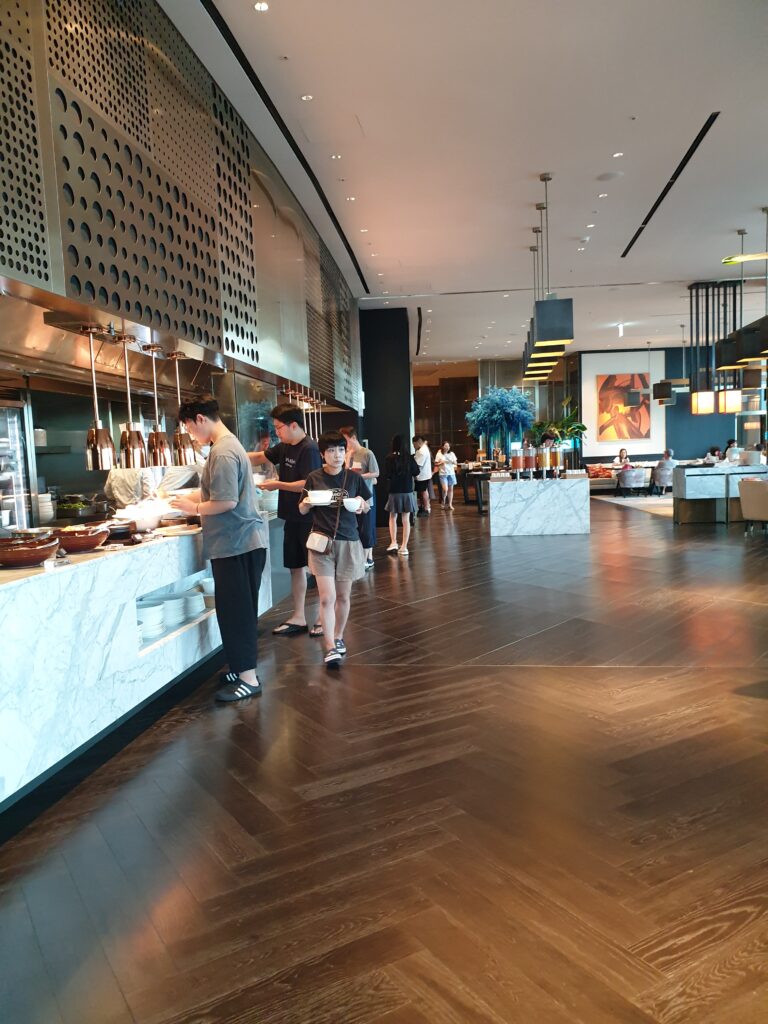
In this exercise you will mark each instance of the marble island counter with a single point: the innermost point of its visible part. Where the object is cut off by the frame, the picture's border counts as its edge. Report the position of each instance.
(74, 664)
(539, 507)
(710, 494)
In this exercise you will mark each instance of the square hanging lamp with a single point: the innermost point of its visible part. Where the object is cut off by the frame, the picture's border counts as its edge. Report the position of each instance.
(702, 403)
(726, 355)
(552, 322)
(729, 401)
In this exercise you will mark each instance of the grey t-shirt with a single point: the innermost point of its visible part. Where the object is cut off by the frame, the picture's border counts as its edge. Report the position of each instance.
(366, 460)
(227, 476)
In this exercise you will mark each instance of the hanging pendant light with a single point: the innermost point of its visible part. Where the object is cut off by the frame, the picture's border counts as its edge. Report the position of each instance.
(183, 449)
(157, 444)
(133, 452)
(99, 446)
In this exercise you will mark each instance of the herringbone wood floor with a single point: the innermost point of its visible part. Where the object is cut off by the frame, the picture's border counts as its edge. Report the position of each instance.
(536, 792)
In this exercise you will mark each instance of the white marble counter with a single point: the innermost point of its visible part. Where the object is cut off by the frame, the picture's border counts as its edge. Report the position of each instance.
(73, 664)
(707, 482)
(538, 507)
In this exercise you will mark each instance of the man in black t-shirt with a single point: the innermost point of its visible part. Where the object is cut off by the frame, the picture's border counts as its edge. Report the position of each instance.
(295, 456)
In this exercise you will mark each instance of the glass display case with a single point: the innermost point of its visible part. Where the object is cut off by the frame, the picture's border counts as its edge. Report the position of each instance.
(14, 481)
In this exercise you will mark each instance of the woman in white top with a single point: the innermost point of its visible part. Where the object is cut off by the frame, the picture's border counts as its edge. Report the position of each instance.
(622, 459)
(446, 460)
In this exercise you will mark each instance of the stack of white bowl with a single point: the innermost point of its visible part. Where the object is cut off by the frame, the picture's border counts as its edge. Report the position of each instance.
(194, 604)
(174, 611)
(150, 616)
(45, 508)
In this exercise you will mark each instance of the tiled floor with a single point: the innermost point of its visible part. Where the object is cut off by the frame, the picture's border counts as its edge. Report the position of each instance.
(535, 792)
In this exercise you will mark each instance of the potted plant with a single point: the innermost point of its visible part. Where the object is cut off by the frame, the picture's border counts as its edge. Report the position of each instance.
(500, 414)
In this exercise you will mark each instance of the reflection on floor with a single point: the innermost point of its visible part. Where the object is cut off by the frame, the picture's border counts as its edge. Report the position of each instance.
(656, 506)
(536, 792)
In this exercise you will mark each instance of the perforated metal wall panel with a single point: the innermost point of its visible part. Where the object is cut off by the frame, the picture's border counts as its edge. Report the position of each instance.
(24, 252)
(107, 115)
(97, 48)
(135, 243)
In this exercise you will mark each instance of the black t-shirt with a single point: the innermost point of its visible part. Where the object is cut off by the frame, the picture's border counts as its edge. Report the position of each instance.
(294, 462)
(399, 477)
(324, 516)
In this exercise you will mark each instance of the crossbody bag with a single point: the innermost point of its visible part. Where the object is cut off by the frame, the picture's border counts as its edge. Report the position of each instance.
(321, 543)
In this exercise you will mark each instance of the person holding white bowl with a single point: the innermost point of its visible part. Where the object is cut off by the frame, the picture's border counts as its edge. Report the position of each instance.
(335, 496)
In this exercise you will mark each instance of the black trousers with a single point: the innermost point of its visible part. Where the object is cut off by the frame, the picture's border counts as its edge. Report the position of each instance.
(237, 581)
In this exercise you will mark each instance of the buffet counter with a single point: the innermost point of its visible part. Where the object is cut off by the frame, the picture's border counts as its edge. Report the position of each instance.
(710, 494)
(74, 663)
(539, 507)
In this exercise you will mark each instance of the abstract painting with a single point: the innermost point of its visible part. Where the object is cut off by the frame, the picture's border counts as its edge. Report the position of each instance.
(617, 419)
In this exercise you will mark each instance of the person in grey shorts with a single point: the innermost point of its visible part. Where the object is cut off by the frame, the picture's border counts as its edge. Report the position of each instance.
(338, 568)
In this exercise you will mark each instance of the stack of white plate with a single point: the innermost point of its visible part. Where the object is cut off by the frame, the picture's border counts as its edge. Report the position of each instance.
(194, 604)
(45, 508)
(150, 616)
(174, 611)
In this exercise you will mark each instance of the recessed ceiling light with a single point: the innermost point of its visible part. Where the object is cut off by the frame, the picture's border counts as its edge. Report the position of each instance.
(590, 225)
(492, 323)
(335, 156)
(363, 231)
(429, 310)
(261, 6)
(505, 296)
(385, 293)
(617, 155)
(379, 274)
(307, 97)
(603, 195)
(386, 303)
(350, 199)
(580, 249)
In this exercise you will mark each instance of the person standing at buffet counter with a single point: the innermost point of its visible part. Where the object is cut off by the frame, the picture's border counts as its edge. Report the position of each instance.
(295, 455)
(235, 540)
(125, 487)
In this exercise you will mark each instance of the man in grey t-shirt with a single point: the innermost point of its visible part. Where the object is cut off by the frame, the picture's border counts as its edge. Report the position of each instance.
(235, 540)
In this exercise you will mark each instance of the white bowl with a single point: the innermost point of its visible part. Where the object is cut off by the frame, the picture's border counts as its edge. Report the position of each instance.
(319, 497)
(207, 585)
(352, 504)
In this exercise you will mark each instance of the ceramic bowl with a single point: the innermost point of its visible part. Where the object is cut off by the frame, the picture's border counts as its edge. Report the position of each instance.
(21, 556)
(319, 497)
(84, 539)
(352, 504)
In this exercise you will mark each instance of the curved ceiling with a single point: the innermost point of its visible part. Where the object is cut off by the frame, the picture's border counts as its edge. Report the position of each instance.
(443, 114)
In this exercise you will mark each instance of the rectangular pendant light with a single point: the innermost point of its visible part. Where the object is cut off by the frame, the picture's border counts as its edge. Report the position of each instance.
(548, 353)
(552, 322)
(726, 354)
(662, 390)
(702, 403)
(729, 401)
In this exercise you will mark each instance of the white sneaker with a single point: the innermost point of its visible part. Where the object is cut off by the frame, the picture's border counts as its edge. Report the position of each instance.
(403, 552)
(392, 547)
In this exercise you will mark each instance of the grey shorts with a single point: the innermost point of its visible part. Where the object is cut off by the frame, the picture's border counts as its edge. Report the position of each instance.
(345, 561)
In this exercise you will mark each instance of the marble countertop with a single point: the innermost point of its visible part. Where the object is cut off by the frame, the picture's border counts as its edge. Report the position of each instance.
(704, 470)
(539, 507)
(9, 576)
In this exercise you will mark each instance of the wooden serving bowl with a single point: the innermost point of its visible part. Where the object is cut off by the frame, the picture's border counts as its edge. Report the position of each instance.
(22, 556)
(85, 539)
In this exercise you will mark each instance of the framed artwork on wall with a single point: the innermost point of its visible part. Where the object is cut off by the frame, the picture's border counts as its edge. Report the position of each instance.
(623, 407)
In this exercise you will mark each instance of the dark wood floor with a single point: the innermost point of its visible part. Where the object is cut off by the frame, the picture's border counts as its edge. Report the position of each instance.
(536, 792)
